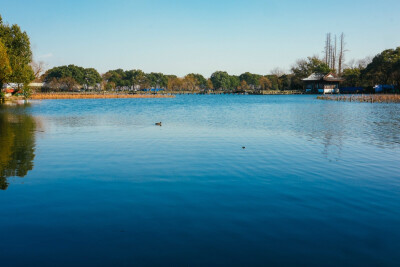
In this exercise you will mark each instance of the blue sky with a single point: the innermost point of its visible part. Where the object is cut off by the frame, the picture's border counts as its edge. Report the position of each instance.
(180, 37)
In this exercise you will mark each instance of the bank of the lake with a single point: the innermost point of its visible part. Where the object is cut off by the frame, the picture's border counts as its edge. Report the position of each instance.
(43, 96)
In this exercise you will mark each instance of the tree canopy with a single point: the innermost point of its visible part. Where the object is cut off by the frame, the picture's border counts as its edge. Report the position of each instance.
(384, 68)
(5, 67)
(221, 80)
(305, 67)
(16, 55)
(71, 76)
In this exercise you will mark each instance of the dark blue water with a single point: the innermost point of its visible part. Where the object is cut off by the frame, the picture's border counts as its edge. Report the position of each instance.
(96, 183)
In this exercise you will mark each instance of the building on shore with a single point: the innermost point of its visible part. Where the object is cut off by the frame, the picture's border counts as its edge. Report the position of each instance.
(36, 85)
(318, 83)
(385, 88)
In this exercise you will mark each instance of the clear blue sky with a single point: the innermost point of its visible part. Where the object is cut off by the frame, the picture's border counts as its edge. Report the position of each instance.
(180, 37)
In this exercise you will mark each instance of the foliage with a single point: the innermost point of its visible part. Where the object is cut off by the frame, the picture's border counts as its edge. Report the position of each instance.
(189, 83)
(243, 86)
(174, 83)
(305, 67)
(68, 83)
(352, 77)
(18, 50)
(234, 82)
(384, 68)
(157, 80)
(5, 68)
(210, 84)
(136, 77)
(253, 80)
(201, 82)
(220, 80)
(92, 77)
(71, 76)
(26, 92)
(265, 83)
(275, 82)
(286, 82)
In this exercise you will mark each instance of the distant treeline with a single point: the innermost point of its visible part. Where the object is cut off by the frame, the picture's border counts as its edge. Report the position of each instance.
(71, 76)
(384, 68)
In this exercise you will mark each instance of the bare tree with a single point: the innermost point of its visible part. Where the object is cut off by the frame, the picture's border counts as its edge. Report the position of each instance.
(278, 72)
(334, 55)
(334, 52)
(328, 49)
(38, 69)
(363, 63)
(342, 52)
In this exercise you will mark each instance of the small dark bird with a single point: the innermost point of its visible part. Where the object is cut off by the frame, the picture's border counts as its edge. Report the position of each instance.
(243, 147)
(159, 123)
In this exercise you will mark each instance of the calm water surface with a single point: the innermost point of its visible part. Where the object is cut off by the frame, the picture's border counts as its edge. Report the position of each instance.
(96, 183)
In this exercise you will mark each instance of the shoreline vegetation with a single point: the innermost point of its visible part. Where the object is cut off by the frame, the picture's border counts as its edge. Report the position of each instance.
(168, 94)
(45, 96)
(375, 98)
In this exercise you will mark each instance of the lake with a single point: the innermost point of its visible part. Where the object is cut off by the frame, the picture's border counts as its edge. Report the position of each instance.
(96, 183)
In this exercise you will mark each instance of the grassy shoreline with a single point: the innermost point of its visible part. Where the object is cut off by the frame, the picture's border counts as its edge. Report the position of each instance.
(381, 98)
(44, 96)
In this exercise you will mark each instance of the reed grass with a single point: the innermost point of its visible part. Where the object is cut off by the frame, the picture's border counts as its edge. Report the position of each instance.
(381, 98)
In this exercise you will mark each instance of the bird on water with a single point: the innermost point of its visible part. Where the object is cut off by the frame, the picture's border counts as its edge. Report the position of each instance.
(159, 123)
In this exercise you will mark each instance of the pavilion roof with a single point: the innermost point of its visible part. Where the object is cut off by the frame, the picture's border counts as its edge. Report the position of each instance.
(330, 77)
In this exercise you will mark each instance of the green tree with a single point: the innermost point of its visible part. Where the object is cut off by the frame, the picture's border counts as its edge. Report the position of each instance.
(210, 84)
(382, 69)
(201, 82)
(136, 77)
(68, 83)
(352, 77)
(189, 83)
(305, 67)
(396, 73)
(234, 82)
(71, 76)
(253, 80)
(91, 77)
(157, 80)
(285, 81)
(265, 83)
(19, 53)
(174, 83)
(5, 68)
(220, 80)
(243, 86)
(275, 82)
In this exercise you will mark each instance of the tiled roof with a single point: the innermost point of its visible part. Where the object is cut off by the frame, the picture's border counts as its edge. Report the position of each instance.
(330, 77)
(314, 77)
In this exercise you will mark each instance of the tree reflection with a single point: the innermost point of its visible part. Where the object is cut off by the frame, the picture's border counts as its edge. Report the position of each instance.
(17, 143)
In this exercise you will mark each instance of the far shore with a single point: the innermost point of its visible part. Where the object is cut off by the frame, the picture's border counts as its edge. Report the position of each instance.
(43, 96)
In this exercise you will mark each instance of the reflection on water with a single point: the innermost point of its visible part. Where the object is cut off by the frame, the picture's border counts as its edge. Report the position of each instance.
(17, 143)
